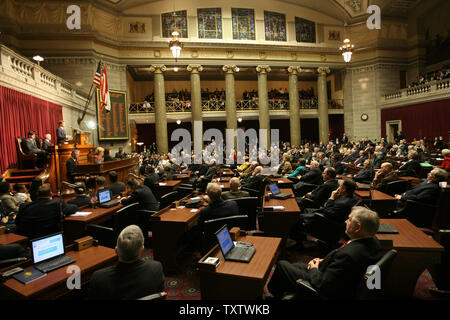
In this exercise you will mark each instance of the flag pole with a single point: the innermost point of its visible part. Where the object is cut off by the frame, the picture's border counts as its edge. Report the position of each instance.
(87, 102)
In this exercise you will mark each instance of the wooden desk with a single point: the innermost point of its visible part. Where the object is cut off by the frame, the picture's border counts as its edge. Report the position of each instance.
(9, 238)
(279, 223)
(76, 227)
(416, 252)
(183, 176)
(53, 285)
(238, 280)
(413, 181)
(227, 173)
(282, 182)
(122, 166)
(168, 227)
(381, 203)
(164, 187)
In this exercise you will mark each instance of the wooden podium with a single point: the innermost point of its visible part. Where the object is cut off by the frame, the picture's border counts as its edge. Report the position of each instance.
(82, 139)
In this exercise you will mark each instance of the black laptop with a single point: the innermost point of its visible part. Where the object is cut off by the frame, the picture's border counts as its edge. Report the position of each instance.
(229, 250)
(104, 198)
(276, 193)
(49, 254)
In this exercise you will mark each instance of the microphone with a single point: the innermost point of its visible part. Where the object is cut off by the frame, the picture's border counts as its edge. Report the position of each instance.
(70, 184)
(135, 176)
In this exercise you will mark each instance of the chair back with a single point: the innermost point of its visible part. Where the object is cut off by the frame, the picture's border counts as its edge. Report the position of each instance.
(382, 267)
(204, 183)
(210, 227)
(184, 191)
(396, 187)
(324, 229)
(420, 214)
(248, 206)
(125, 217)
(168, 198)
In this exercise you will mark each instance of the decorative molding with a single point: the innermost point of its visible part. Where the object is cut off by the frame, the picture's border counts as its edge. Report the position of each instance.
(194, 68)
(230, 68)
(158, 68)
(294, 69)
(263, 69)
(323, 71)
(194, 54)
(294, 56)
(263, 55)
(137, 27)
(229, 54)
(157, 54)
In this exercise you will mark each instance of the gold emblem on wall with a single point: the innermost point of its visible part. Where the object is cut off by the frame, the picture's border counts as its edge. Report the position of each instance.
(334, 35)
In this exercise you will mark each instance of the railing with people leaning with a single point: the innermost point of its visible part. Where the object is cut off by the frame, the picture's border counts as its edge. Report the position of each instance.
(242, 105)
(423, 92)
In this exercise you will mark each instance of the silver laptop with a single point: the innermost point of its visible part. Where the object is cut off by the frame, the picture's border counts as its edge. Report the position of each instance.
(49, 254)
(276, 193)
(104, 198)
(229, 250)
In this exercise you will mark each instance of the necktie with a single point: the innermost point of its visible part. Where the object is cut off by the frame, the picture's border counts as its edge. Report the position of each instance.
(346, 243)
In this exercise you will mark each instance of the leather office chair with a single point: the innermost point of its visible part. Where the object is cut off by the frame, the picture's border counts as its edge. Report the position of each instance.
(306, 291)
(184, 191)
(396, 187)
(155, 296)
(210, 227)
(23, 156)
(203, 184)
(143, 221)
(440, 274)
(107, 235)
(249, 207)
(419, 214)
(325, 230)
(168, 198)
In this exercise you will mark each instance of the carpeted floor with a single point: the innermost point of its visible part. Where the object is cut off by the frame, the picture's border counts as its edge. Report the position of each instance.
(186, 285)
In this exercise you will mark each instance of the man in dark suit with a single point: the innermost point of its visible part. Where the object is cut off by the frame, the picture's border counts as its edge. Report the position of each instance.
(61, 133)
(427, 192)
(339, 274)
(151, 177)
(309, 181)
(83, 199)
(47, 142)
(71, 165)
(344, 139)
(132, 277)
(317, 197)
(29, 146)
(336, 164)
(364, 175)
(141, 194)
(120, 154)
(217, 208)
(412, 167)
(360, 160)
(116, 187)
(43, 216)
(256, 180)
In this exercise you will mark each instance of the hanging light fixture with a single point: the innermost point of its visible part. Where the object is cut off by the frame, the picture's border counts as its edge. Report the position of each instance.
(175, 45)
(347, 50)
(38, 59)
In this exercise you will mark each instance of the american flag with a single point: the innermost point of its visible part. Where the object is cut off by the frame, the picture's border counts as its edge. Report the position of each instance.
(98, 75)
(101, 82)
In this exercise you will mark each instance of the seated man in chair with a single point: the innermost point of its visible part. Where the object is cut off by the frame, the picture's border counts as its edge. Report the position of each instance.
(217, 208)
(132, 278)
(340, 272)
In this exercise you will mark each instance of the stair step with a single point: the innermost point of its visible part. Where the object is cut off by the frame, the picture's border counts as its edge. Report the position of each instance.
(28, 184)
(26, 172)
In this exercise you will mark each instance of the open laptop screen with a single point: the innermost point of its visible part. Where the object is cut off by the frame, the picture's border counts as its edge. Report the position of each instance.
(274, 188)
(224, 239)
(104, 196)
(47, 248)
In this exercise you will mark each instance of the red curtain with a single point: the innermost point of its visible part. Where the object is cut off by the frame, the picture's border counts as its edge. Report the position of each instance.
(431, 119)
(20, 113)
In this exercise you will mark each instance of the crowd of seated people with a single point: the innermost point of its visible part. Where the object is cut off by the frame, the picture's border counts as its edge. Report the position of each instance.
(439, 75)
(314, 168)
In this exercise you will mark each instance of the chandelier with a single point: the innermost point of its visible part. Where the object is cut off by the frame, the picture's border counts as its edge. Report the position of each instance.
(347, 50)
(175, 45)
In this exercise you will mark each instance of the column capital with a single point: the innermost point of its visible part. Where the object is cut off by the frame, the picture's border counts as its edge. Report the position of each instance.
(323, 70)
(230, 68)
(263, 69)
(158, 68)
(194, 68)
(294, 69)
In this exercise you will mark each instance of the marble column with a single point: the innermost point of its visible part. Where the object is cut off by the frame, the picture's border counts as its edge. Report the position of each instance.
(230, 100)
(294, 106)
(263, 101)
(323, 103)
(196, 101)
(160, 109)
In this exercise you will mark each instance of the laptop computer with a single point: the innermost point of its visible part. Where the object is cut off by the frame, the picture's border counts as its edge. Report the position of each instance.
(48, 253)
(104, 198)
(276, 194)
(229, 250)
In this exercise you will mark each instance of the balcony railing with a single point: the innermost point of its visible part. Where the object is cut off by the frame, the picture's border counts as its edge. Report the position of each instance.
(422, 92)
(242, 105)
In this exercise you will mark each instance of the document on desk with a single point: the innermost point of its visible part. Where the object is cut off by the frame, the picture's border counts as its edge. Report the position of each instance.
(81, 214)
(163, 184)
(275, 208)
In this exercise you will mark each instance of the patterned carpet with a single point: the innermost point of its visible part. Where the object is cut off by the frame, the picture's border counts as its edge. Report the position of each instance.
(186, 285)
